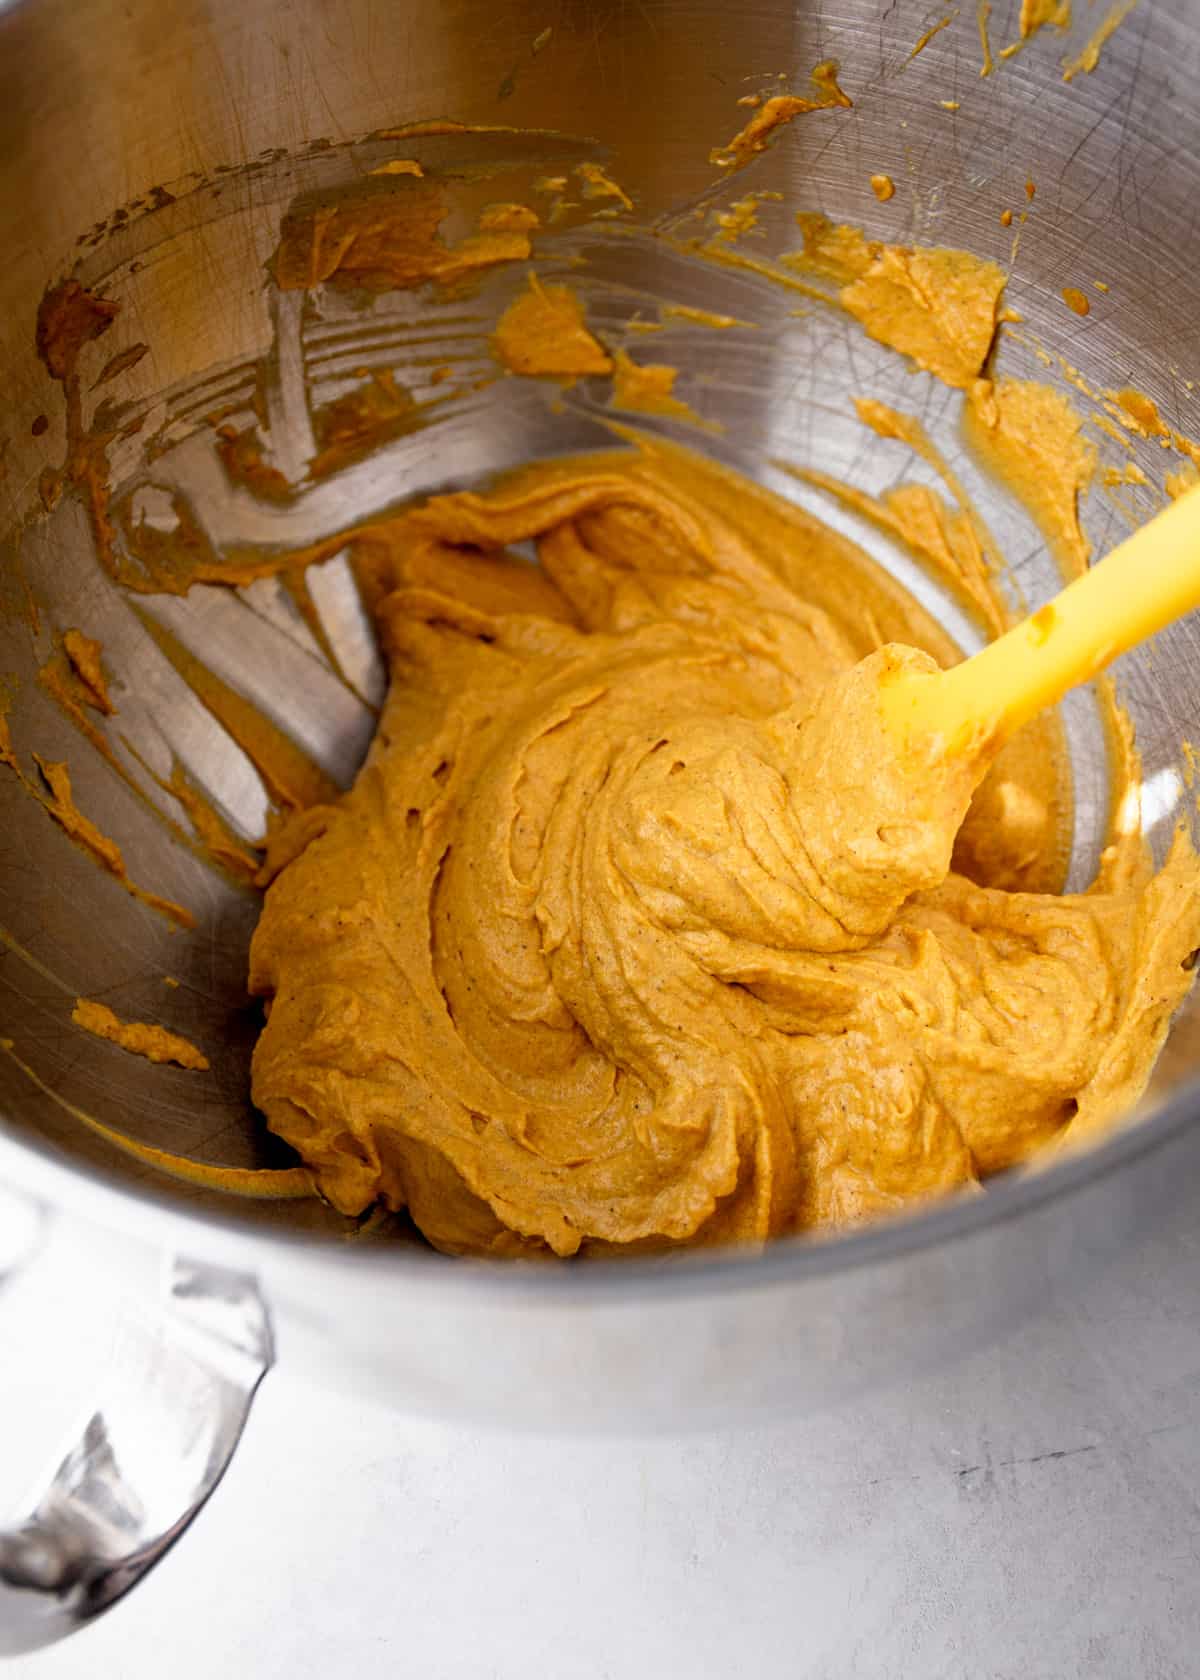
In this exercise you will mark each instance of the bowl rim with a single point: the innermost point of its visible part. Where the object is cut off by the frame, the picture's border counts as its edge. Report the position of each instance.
(83, 1189)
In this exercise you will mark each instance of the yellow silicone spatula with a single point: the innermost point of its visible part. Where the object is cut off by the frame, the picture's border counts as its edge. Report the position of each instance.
(1146, 582)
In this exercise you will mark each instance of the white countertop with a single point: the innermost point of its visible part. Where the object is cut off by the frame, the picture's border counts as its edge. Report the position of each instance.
(1033, 1513)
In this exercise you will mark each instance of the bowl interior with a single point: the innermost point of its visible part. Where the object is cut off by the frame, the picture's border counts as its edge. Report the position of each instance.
(212, 390)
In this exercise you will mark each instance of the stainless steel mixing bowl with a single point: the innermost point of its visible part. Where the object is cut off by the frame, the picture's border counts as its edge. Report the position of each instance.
(151, 155)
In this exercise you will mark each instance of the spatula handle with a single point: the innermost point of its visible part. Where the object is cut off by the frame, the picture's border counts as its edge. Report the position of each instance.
(1145, 583)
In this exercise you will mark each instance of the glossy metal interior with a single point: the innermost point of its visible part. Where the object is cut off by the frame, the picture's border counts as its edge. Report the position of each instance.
(152, 154)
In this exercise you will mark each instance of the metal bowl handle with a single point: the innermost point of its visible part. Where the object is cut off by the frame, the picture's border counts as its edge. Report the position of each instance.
(173, 1402)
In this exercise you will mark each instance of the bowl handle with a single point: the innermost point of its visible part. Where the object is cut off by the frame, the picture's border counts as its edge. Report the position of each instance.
(172, 1405)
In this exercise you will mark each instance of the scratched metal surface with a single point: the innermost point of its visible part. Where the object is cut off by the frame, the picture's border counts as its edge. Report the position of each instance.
(234, 111)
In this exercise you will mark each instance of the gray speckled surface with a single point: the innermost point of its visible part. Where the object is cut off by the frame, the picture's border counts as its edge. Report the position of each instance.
(1033, 1513)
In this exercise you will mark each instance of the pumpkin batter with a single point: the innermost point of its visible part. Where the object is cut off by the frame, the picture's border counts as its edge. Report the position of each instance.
(633, 933)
